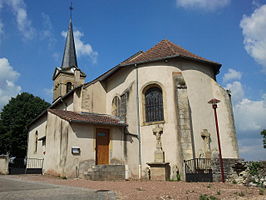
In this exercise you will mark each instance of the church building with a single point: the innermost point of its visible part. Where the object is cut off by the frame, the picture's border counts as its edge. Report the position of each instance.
(151, 108)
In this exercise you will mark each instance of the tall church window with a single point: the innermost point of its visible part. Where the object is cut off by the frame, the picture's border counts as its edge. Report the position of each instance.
(116, 106)
(154, 104)
(68, 87)
(123, 107)
(36, 142)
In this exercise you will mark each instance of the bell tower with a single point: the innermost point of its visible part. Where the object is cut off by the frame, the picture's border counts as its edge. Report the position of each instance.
(68, 76)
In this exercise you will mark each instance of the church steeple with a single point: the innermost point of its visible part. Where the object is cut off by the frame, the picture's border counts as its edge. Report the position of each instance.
(68, 76)
(70, 57)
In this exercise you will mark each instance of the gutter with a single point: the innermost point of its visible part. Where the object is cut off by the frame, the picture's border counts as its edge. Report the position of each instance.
(217, 68)
(138, 121)
(96, 123)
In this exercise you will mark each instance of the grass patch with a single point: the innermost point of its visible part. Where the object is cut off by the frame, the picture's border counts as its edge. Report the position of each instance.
(261, 191)
(206, 197)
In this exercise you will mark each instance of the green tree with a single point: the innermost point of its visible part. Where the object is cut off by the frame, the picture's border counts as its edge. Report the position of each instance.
(14, 118)
(263, 133)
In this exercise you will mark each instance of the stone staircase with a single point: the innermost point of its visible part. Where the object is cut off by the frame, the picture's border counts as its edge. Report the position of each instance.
(105, 173)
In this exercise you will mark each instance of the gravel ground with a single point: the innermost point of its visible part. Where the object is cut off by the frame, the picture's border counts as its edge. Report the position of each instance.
(159, 190)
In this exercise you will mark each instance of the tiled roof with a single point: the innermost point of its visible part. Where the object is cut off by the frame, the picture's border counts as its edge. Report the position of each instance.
(89, 118)
(164, 49)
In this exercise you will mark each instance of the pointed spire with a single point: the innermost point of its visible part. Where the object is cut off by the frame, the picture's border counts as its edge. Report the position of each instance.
(70, 58)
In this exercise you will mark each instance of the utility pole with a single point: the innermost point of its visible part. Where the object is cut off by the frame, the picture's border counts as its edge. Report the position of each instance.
(214, 103)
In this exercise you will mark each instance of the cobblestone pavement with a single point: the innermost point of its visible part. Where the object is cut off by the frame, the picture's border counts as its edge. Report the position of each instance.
(14, 189)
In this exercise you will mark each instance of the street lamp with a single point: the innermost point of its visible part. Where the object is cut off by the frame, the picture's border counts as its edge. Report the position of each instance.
(214, 106)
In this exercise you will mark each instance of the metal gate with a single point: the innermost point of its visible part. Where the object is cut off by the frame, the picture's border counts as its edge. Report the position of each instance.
(17, 165)
(198, 170)
(34, 166)
(25, 166)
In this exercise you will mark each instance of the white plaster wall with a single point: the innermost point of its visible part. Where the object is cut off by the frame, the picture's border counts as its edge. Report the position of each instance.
(54, 138)
(121, 81)
(67, 104)
(225, 121)
(116, 86)
(82, 136)
(201, 87)
(4, 161)
(161, 75)
(199, 93)
(40, 127)
(94, 98)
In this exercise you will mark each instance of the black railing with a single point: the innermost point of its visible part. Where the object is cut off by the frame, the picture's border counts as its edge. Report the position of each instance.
(25, 165)
(197, 164)
(198, 170)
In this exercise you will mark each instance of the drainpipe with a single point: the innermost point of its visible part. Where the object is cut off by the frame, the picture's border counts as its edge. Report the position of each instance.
(138, 121)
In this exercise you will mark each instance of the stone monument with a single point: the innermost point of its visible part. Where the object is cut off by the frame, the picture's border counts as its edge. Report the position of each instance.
(206, 136)
(160, 170)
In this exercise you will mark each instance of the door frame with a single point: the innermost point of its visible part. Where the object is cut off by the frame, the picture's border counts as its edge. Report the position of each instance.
(106, 130)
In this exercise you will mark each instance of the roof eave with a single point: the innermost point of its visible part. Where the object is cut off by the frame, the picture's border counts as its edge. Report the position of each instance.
(97, 123)
(218, 65)
(36, 118)
(56, 101)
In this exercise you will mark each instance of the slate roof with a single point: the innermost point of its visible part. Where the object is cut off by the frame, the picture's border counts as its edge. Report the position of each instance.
(70, 57)
(88, 118)
(162, 50)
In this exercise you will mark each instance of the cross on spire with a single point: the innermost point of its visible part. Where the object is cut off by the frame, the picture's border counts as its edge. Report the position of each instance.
(70, 57)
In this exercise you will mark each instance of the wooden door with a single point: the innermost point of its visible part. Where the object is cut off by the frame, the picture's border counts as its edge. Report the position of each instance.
(102, 146)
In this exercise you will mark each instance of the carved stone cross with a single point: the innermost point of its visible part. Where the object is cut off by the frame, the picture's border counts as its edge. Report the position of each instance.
(157, 131)
(206, 136)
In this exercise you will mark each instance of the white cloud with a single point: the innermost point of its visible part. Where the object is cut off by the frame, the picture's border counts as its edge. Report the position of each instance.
(252, 148)
(83, 49)
(8, 77)
(232, 75)
(237, 91)
(210, 5)
(256, 3)
(47, 32)
(250, 115)
(254, 29)
(23, 23)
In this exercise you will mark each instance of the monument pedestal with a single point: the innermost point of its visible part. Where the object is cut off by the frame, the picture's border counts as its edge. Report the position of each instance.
(159, 171)
(159, 156)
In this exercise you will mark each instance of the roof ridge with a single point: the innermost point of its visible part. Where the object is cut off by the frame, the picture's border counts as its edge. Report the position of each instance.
(169, 44)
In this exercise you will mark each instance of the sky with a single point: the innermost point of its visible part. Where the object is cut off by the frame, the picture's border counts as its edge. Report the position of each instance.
(231, 32)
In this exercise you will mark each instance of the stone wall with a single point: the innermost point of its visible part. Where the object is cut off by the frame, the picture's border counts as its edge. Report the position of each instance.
(228, 164)
(4, 164)
(249, 173)
(106, 172)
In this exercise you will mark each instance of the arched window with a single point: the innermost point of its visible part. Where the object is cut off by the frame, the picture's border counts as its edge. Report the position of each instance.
(68, 87)
(154, 104)
(36, 142)
(116, 106)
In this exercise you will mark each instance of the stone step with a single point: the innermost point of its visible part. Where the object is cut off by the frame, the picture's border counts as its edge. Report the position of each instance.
(106, 172)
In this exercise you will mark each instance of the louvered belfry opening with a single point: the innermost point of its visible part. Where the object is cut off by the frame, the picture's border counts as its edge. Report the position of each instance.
(154, 104)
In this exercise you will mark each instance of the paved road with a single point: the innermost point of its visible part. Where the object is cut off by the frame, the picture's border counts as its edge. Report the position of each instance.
(15, 189)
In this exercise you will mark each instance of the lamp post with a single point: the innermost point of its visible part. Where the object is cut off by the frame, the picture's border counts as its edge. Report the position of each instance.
(214, 103)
